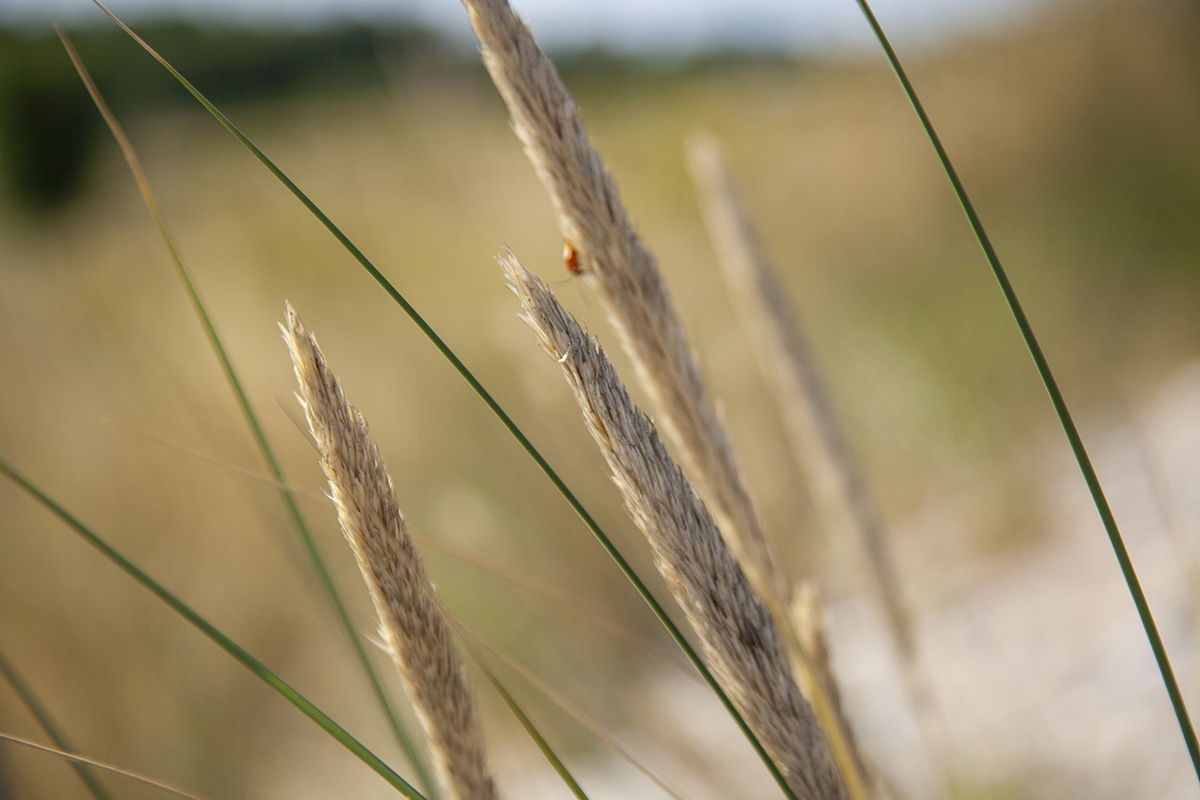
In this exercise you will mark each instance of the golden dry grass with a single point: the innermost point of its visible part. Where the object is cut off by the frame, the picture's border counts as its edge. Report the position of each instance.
(429, 180)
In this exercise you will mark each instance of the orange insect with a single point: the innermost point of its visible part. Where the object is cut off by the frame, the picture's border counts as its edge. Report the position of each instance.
(571, 258)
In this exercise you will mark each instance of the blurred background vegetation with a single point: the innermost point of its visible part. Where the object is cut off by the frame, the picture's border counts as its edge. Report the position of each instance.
(1077, 133)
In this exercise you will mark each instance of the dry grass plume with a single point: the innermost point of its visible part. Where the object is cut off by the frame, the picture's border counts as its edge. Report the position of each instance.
(846, 507)
(737, 632)
(412, 624)
(605, 249)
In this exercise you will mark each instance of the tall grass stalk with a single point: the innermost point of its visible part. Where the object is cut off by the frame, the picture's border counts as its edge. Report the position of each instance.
(316, 561)
(522, 717)
(602, 245)
(588, 520)
(82, 764)
(565, 705)
(741, 612)
(736, 629)
(50, 726)
(1056, 397)
(807, 619)
(411, 621)
(256, 667)
(570, 604)
(567, 603)
(845, 506)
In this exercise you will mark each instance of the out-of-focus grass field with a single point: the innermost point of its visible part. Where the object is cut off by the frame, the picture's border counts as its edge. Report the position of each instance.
(1077, 136)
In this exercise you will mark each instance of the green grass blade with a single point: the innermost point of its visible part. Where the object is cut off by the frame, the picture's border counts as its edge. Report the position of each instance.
(563, 704)
(411, 752)
(51, 728)
(542, 744)
(526, 723)
(491, 403)
(212, 632)
(1056, 398)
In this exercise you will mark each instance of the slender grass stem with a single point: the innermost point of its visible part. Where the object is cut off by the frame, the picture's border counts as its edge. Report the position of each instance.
(566, 706)
(81, 762)
(487, 398)
(521, 716)
(324, 578)
(1056, 398)
(251, 663)
(42, 715)
(563, 602)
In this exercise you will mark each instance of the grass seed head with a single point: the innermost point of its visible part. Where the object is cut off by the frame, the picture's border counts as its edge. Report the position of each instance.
(412, 624)
(736, 629)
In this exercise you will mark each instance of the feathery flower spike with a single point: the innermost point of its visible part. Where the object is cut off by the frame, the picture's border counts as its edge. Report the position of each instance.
(736, 629)
(602, 246)
(412, 624)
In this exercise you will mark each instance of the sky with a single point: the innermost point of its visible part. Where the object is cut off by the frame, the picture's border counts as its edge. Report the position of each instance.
(625, 25)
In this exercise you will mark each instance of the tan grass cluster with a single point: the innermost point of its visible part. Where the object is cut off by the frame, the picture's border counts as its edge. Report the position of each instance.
(847, 509)
(612, 258)
(736, 629)
(604, 248)
(412, 623)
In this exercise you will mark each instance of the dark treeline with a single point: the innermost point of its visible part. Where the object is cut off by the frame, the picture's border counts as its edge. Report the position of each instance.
(48, 126)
